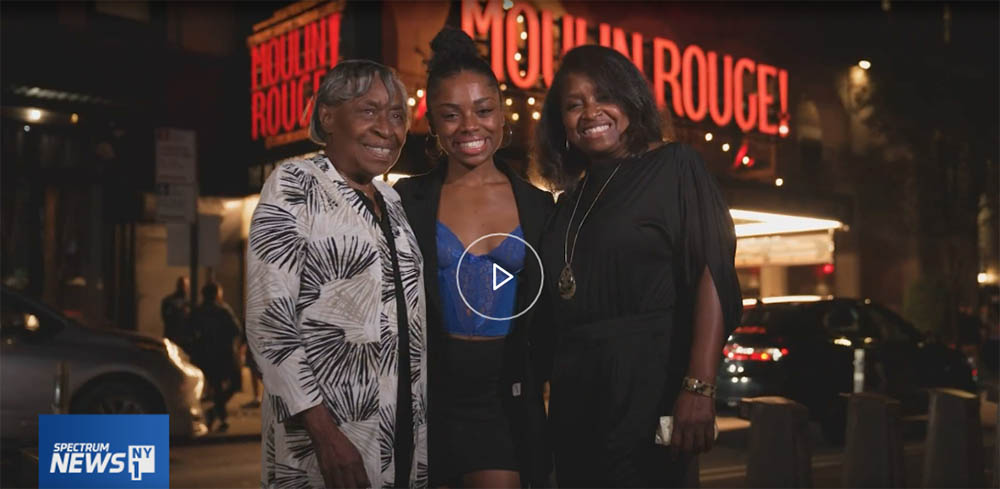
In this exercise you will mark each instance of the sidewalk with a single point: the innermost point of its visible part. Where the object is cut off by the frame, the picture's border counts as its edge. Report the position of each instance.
(725, 465)
(244, 422)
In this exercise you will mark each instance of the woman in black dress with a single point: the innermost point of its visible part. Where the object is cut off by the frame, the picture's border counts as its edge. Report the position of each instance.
(639, 256)
(487, 416)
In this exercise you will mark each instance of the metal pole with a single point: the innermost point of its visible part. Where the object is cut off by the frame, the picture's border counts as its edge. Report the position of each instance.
(194, 258)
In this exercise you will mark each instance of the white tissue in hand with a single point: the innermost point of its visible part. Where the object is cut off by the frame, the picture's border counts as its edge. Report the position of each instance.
(667, 427)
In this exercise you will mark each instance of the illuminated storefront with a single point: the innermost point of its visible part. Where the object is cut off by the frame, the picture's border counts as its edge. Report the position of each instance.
(772, 249)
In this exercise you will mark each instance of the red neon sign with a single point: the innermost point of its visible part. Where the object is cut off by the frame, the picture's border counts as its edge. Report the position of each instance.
(530, 77)
(287, 64)
(749, 90)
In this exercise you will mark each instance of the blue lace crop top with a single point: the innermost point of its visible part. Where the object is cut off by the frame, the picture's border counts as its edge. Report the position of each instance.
(477, 284)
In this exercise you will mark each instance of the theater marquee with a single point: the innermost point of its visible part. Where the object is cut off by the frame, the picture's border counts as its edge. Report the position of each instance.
(289, 54)
(753, 94)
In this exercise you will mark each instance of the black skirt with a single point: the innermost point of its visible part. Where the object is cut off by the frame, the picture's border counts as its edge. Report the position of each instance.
(472, 429)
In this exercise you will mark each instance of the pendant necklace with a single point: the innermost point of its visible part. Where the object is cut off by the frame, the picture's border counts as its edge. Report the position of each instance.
(567, 282)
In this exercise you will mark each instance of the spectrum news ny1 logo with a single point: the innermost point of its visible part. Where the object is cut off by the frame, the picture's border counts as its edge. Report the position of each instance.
(104, 450)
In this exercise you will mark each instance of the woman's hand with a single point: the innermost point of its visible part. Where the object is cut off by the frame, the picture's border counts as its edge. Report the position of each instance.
(694, 414)
(339, 460)
(694, 423)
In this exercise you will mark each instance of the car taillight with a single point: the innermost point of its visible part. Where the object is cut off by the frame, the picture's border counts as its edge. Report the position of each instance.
(750, 330)
(759, 354)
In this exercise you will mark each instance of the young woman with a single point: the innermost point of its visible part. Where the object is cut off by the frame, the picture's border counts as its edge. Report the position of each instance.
(486, 421)
(640, 255)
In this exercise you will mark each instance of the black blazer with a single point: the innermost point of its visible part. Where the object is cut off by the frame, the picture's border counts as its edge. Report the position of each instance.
(527, 349)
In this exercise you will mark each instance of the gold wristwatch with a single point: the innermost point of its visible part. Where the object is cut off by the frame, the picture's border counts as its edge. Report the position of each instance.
(699, 387)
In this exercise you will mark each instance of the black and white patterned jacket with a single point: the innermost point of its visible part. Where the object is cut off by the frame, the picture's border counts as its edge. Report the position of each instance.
(321, 321)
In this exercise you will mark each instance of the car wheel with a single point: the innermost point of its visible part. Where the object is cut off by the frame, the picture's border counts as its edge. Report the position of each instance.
(117, 397)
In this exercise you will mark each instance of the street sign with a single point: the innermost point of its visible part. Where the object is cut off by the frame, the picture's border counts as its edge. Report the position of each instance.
(176, 156)
(176, 175)
(175, 202)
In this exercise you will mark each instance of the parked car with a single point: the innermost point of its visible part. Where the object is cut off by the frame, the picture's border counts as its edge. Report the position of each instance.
(106, 372)
(812, 349)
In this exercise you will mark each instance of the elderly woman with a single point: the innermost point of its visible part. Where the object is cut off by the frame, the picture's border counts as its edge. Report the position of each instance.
(335, 313)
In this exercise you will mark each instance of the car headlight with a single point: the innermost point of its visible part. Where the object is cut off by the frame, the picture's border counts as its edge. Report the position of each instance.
(181, 361)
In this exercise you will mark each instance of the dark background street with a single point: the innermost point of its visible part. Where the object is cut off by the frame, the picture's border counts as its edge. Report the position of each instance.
(856, 144)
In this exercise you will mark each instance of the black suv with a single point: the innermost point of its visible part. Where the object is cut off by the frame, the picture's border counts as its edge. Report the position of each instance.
(812, 349)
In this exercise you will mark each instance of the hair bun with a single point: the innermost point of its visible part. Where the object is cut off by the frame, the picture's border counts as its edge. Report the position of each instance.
(451, 45)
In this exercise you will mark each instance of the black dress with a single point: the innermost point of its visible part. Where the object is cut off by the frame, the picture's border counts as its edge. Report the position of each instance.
(624, 338)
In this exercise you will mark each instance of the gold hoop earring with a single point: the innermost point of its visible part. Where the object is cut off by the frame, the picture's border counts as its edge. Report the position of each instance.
(508, 136)
(432, 147)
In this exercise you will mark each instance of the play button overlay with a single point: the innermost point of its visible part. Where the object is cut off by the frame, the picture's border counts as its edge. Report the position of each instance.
(500, 277)
(504, 274)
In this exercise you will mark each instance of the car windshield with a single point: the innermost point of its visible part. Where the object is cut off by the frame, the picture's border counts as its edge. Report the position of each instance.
(781, 318)
(21, 315)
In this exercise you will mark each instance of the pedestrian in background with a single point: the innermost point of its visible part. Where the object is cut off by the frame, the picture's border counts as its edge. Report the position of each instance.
(175, 310)
(641, 254)
(218, 339)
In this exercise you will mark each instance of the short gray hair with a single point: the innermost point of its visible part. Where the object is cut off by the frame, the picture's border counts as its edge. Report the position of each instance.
(348, 80)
